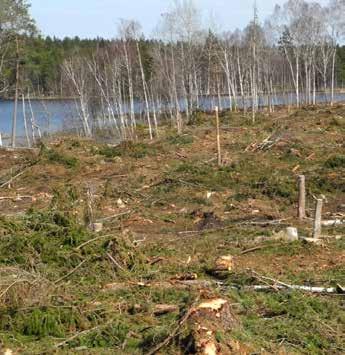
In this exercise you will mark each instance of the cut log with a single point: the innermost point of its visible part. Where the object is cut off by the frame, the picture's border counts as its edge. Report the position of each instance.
(224, 263)
(316, 241)
(186, 277)
(290, 234)
(208, 318)
(333, 223)
(161, 309)
(222, 266)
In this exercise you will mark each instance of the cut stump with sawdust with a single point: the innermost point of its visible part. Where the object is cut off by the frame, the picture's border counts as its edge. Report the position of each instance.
(208, 319)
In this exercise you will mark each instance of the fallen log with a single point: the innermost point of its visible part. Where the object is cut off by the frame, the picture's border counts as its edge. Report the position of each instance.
(333, 223)
(210, 284)
(309, 289)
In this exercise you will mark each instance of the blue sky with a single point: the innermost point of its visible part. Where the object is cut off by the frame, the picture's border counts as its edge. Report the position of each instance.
(91, 18)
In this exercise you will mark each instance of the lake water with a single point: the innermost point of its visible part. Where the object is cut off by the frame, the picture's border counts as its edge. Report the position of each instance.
(62, 115)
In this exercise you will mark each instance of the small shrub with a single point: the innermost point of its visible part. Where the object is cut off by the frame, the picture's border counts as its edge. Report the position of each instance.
(111, 336)
(129, 149)
(198, 118)
(44, 237)
(337, 161)
(180, 139)
(322, 184)
(208, 176)
(53, 156)
(338, 121)
(275, 187)
(42, 323)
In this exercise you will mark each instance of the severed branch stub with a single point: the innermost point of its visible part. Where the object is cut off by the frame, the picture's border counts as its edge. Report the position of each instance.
(301, 197)
(318, 219)
(161, 309)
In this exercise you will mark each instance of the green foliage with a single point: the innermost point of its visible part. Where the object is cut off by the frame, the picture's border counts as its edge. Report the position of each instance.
(322, 183)
(338, 121)
(179, 140)
(276, 186)
(44, 238)
(112, 335)
(337, 161)
(271, 318)
(341, 67)
(154, 336)
(129, 149)
(206, 176)
(42, 323)
(53, 156)
(198, 118)
(15, 18)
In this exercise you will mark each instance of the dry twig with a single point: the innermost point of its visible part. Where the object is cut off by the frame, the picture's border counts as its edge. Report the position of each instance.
(71, 272)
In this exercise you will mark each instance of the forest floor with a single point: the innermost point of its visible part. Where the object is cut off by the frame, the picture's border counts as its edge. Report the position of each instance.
(169, 212)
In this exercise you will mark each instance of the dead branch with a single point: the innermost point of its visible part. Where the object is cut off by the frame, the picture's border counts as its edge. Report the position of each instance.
(260, 277)
(244, 252)
(115, 262)
(71, 272)
(155, 260)
(264, 223)
(3, 293)
(93, 240)
(319, 290)
(266, 144)
(16, 198)
(172, 335)
(84, 332)
(113, 217)
(14, 177)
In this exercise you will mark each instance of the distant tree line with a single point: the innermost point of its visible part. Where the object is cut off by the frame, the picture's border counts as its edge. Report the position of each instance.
(297, 52)
(42, 59)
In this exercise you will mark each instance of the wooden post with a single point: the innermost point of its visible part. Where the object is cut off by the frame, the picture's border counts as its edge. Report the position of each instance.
(218, 138)
(301, 197)
(89, 211)
(318, 219)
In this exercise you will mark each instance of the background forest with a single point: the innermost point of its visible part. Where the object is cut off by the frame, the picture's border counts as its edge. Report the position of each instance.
(296, 54)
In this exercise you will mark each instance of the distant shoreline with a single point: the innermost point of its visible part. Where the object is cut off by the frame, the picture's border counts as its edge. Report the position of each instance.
(43, 98)
(70, 98)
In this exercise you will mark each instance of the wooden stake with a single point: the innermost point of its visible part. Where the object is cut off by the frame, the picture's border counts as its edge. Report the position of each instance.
(301, 197)
(89, 210)
(317, 220)
(218, 137)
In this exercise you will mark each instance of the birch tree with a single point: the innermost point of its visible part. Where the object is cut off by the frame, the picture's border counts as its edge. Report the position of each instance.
(15, 21)
(77, 72)
(336, 27)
